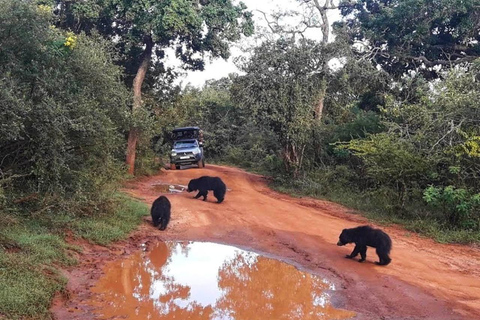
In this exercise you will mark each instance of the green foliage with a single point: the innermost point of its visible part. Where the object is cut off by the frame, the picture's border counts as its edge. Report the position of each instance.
(230, 135)
(190, 27)
(359, 125)
(63, 108)
(390, 161)
(415, 34)
(358, 85)
(283, 81)
(107, 227)
(459, 207)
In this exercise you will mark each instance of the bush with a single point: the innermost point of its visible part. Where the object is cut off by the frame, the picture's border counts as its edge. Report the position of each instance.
(391, 162)
(63, 109)
(459, 207)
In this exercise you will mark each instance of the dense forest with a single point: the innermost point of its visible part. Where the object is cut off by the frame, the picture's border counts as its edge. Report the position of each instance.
(380, 112)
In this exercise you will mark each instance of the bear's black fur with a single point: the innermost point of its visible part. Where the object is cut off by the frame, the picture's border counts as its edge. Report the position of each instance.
(364, 236)
(161, 212)
(205, 183)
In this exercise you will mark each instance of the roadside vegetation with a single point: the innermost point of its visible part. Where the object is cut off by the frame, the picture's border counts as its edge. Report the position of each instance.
(33, 250)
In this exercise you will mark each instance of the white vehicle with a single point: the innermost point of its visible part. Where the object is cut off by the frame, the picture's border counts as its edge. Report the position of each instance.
(187, 148)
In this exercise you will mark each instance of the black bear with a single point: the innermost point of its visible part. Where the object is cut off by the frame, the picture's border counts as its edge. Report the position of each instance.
(161, 212)
(205, 183)
(364, 236)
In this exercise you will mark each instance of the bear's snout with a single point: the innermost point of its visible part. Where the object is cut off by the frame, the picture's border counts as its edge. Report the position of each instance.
(340, 243)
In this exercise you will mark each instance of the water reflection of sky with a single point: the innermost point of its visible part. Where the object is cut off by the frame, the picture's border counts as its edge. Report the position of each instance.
(210, 281)
(198, 270)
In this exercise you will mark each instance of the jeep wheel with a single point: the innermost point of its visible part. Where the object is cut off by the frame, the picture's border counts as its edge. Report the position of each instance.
(172, 166)
(177, 167)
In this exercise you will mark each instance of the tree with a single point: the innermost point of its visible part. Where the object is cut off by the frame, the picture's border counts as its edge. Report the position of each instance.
(421, 35)
(312, 15)
(279, 89)
(59, 129)
(143, 29)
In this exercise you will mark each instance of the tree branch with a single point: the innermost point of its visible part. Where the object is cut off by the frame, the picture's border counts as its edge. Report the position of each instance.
(429, 63)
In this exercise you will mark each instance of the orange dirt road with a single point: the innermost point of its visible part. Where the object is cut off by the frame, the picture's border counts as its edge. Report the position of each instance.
(425, 280)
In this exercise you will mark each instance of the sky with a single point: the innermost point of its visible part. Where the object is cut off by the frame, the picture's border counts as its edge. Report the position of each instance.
(219, 68)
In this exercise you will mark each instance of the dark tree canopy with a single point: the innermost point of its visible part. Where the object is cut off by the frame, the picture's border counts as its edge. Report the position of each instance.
(61, 100)
(416, 34)
(190, 27)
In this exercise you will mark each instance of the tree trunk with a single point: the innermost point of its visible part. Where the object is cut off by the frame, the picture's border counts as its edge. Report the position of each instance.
(319, 106)
(137, 102)
(325, 28)
(293, 157)
(320, 100)
(322, 10)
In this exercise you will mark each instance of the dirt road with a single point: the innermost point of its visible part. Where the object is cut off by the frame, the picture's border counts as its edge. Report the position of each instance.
(425, 280)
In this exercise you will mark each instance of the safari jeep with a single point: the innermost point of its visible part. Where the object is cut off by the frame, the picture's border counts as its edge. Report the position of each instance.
(187, 147)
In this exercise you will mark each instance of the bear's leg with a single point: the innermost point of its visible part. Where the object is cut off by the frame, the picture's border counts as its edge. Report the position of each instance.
(163, 223)
(154, 215)
(160, 222)
(354, 253)
(384, 258)
(202, 193)
(363, 253)
(218, 195)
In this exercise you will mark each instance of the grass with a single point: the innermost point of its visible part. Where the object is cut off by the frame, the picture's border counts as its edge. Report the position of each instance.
(105, 229)
(27, 286)
(32, 252)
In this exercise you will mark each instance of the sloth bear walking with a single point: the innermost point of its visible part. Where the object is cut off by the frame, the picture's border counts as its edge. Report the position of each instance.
(367, 236)
(161, 212)
(205, 183)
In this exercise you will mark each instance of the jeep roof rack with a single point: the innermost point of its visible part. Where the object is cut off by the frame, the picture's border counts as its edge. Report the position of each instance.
(185, 129)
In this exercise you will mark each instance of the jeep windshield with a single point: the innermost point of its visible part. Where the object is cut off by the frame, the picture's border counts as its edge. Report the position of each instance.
(185, 144)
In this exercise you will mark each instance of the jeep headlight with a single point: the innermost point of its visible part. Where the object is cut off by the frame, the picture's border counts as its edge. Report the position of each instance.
(196, 151)
(173, 154)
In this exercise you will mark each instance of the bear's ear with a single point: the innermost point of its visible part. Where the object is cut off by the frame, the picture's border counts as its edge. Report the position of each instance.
(344, 230)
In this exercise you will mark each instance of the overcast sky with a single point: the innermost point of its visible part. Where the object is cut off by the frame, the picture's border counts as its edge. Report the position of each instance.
(219, 68)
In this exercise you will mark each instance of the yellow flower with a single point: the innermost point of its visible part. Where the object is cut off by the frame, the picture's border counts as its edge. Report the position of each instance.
(44, 9)
(70, 40)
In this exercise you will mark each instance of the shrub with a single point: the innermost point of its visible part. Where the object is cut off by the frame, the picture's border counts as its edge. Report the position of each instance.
(460, 208)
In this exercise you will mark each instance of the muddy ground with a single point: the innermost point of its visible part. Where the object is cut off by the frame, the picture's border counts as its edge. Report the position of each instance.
(425, 280)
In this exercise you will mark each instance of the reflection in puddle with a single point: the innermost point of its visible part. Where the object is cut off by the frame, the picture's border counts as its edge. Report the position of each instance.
(209, 281)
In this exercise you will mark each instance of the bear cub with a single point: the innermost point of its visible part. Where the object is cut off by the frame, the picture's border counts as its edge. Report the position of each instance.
(364, 236)
(161, 212)
(205, 183)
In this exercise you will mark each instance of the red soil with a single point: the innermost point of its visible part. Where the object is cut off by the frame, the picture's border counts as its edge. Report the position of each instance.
(426, 280)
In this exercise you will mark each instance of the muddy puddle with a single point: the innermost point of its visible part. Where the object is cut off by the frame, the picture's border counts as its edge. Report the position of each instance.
(168, 188)
(198, 280)
(171, 188)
